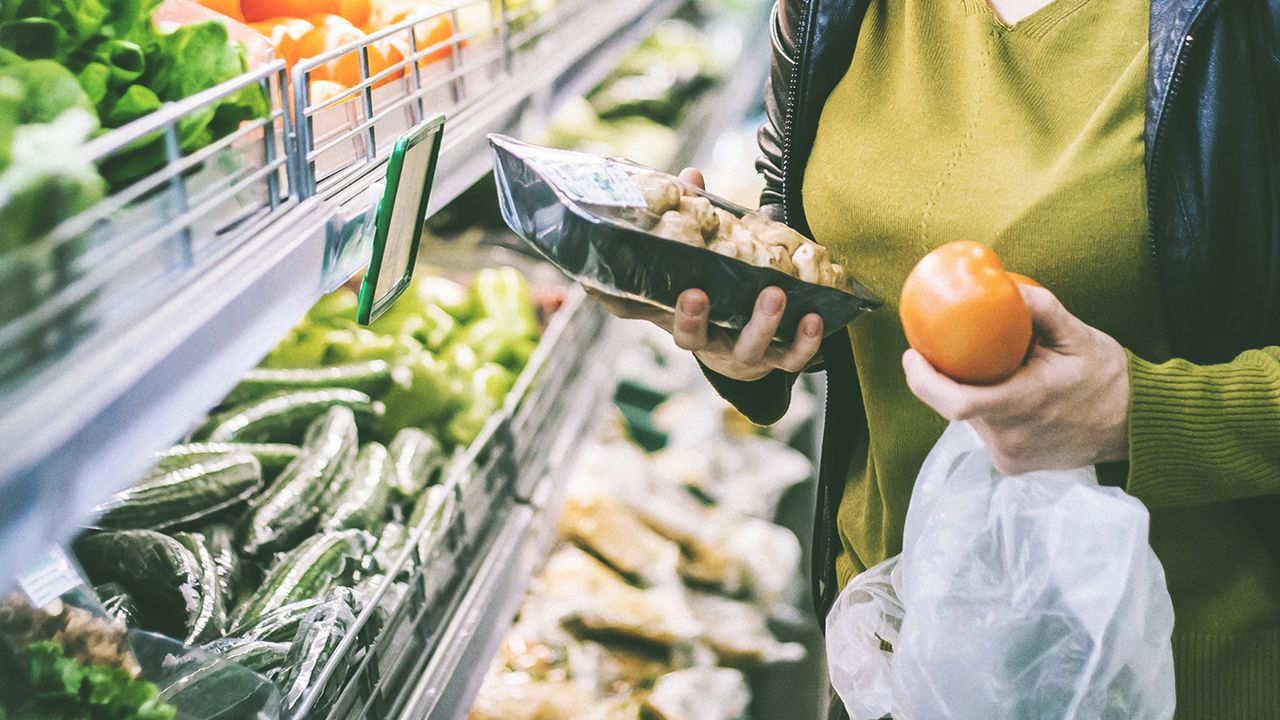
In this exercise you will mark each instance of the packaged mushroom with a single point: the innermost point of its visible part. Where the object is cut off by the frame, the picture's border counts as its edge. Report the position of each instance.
(640, 234)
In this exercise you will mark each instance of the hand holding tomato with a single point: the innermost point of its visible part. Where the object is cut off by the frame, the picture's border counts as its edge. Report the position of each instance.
(1067, 406)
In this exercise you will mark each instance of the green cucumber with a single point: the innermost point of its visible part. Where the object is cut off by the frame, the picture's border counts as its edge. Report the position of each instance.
(163, 577)
(221, 541)
(279, 625)
(318, 638)
(362, 502)
(418, 458)
(183, 495)
(372, 378)
(210, 619)
(272, 456)
(259, 656)
(116, 601)
(308, 571)
(287, 511)
(426, 503)
(390, 544)
(285, 417)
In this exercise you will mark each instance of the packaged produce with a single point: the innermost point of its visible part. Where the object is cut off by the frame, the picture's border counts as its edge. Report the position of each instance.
(117, 603)
(591, 597)
(272, 457)
(290, 507)
(66, 687)
(221, 542)
(609, 529)
(699, 694)
(162, 576)
(210, 619)
(372, 377)
(310, 570)
(278, 625)
(260, 656)
(738, 632)
(418, 460)
(636, 233)
(318, 637)
(362, 501)
(284, 417)
(183, 495)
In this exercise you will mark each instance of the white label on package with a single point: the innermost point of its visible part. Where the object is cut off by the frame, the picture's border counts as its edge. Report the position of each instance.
(593, 183)
(53, 577)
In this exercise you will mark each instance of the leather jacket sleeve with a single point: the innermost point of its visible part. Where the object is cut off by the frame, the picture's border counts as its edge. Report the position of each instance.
(776, 97)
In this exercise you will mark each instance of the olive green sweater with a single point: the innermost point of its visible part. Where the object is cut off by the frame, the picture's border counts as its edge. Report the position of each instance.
(953, 125)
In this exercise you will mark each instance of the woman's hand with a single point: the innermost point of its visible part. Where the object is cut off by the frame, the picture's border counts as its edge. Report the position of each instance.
(750, 354)
(1066, 407)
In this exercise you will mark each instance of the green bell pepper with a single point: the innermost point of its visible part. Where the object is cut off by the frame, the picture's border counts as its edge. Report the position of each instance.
(421, 394)
(502, 295)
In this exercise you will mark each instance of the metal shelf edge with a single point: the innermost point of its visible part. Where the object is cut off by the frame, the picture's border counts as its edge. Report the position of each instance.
(70, 445)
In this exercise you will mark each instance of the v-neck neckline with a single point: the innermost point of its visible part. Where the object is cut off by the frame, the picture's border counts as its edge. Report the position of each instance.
(1037, 23)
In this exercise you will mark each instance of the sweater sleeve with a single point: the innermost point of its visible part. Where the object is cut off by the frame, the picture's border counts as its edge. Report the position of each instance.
(1204, 433)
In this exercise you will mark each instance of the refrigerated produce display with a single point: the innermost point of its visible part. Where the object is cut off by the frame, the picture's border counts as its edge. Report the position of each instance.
(223, 497)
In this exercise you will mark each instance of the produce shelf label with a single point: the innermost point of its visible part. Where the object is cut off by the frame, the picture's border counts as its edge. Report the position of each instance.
(53, 577)
(593, 183)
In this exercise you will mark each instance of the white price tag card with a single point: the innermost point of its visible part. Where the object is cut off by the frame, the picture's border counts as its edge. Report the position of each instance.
(54, 576)
(594, 183)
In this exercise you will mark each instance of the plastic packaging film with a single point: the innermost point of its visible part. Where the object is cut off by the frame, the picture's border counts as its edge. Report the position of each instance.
(588, 216)
(1028, 596)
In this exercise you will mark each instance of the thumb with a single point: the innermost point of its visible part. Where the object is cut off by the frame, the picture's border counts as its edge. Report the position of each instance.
(693, 176)
(1054, 325)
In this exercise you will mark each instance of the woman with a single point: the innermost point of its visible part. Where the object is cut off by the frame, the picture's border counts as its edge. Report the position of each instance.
(1125, 153)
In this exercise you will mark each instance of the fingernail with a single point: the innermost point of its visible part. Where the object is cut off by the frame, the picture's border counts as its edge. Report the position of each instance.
(811, 327)
(691, 305)
(773, 302)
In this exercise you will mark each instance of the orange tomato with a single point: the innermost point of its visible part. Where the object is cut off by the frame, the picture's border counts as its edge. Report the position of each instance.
(356, 11)
(230, 8)
(329, 32)
(964, 314)
(259, 10)
(440, 32)
(383, 54)
(1020, 278)
(324, 90)
(284, 34)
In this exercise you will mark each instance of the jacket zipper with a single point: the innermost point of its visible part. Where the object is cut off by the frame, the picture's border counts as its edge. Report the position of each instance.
(1175, 82)
(793, 99)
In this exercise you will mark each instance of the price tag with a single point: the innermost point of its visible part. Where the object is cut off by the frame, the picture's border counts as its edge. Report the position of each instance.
(54, 576)
(593, 183)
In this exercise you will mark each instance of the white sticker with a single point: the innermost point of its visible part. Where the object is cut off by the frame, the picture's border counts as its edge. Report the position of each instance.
(53, 577)
(594, 183)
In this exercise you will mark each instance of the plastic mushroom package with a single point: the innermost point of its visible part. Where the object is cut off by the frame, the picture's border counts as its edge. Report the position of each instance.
(639, 234)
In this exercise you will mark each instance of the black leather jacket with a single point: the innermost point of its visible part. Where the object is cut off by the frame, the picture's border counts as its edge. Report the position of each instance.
(1213, 195)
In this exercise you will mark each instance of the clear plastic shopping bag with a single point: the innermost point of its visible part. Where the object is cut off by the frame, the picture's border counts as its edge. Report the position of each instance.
(1035, 596)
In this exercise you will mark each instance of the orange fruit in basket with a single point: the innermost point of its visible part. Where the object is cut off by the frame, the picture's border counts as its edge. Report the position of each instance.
(230, 8)
(329, 32)
(324, 90)
(356, 11)
(439, 33)
(284, 34)
(965, 314)
(383, 55)
(259, 10)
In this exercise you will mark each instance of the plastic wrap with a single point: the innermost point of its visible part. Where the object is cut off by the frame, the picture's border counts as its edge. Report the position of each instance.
(1014, 597)
(700, 694)
(318, 637)
(581, 211)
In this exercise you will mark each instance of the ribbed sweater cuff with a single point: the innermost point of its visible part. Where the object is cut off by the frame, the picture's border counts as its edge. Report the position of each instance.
(1200, 433)
(1227, 677)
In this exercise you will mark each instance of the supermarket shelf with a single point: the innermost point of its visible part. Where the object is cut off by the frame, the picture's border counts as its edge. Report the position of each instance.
(474, 632)
(503, 70)
(69, 444)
